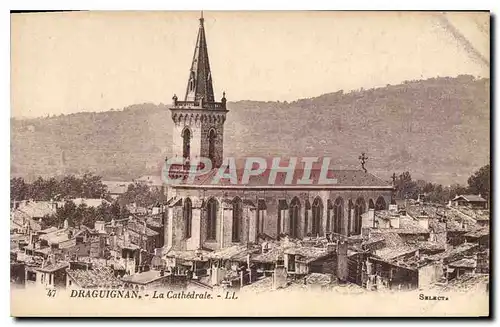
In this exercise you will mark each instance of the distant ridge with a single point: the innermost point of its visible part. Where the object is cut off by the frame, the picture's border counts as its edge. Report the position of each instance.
(438, 129)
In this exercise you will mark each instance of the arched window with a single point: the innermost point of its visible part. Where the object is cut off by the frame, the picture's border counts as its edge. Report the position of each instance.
(371, 205)
(317, 215)
(261, 213)
(237, 216)
(211, 145)
(306, 217)
(188, 216)
(350, 218)
(282, 205)
(338, 215)
(212, 209)
(329, 216)
(186, 144)
(380, 204)
(359, 209)
(294, 217)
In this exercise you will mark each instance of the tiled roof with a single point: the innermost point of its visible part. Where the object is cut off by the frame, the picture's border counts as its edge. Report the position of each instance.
(319, 279)
(390, 236)
(391, 253)
(463, 263)
(53, 267)
(56, 237)
(409, 225)
(308, 254)
(96, 277)
(154, 222)
(344, 178)
(428, 245)
(37, 209)
(469, 198)
(138, 229)
(452, 252)
(142, 278)
(479, 232)
(189, 255)
(49, 230)
(232, 252)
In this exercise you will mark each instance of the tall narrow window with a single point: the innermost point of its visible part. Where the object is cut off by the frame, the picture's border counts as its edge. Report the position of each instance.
(212, 208)
(329, 216)
(350, 217)
(188, 216)
(380, 204)
(211, 145)
(317, 215)
(359, 209)
(294, 217)
(237, 216)
(282, 206)
(261, 213)
(186, 147)
(338, 215)
(191, 81)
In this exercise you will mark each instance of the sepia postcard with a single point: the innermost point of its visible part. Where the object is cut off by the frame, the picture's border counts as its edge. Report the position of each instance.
(250, 164)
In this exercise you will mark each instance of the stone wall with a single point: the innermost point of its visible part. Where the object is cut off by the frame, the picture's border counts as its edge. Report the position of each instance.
(248, 226)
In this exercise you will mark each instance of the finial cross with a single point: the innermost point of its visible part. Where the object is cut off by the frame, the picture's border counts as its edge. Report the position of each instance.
(363, 159)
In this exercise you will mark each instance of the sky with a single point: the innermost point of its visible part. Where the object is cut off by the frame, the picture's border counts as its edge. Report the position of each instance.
(63, 63)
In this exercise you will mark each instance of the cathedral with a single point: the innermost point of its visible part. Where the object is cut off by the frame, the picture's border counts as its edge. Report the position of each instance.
(204, 215)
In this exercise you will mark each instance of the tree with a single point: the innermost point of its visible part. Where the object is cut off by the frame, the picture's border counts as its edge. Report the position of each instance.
(405, 187)
(18, 189)
(92, 186)
(479, 182)
(140, 194)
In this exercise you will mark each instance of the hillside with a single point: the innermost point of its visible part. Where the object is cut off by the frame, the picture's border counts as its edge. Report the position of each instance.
(438, 129)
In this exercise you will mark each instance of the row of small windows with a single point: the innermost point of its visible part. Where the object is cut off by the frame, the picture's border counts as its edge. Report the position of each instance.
(333, 223)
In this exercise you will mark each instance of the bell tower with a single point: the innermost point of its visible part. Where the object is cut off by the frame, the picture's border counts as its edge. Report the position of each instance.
(199, 120)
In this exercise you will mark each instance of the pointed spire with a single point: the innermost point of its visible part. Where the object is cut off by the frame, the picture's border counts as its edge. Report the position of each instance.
(200, 87)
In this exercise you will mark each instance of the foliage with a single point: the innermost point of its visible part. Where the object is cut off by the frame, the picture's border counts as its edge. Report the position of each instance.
(68, 187)
(479, 182)
(405, 187)
(85, 215)
(140, 194)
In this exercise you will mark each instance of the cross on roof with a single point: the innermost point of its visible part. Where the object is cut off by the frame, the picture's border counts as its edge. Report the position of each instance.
(393, 178)
(363, 159)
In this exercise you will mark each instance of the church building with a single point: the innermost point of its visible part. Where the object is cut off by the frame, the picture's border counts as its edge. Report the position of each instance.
(212, 216)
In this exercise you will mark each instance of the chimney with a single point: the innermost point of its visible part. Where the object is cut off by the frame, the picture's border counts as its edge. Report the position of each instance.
(342, 267)
(423, 221)
(125, 237)
(395, 221)
(371, 216)
(365, 233)
(331, 247)
(264, 247)
(99, 226)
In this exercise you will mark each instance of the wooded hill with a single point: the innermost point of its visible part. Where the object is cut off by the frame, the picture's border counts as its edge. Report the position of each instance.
(438, 129)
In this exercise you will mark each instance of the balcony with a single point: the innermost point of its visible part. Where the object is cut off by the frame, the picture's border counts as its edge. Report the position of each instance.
(199, 105)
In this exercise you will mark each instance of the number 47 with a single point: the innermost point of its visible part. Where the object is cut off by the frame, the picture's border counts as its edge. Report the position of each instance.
(51, 293)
